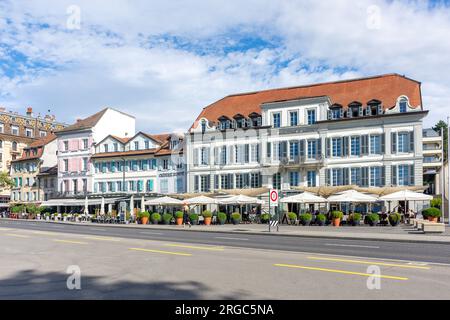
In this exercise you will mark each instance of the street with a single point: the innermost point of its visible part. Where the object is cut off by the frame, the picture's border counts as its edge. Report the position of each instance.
(127, 263)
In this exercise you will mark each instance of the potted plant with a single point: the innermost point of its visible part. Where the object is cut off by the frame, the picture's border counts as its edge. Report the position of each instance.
(179, 218)
(432, 214)
(155, 217)
(207, 215)
(222, 217)
(143, 216)
(167, 217)
(394, 219)
(236, 218)
(355, 219)
(265, 217)
(47, 216)
(321, 218)
(64, 216)
(194, 218)
(292, 217)
(305, 219)
(336, 217)
(373, 219)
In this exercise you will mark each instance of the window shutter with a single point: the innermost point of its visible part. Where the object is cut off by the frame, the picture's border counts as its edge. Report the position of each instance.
(216, 182)
(365, 176)
(283, 149)
(380, 109)
(329, 115)
(195, 157)
(216, 155)
(328, 151)
(411, 175)
(364, 145)
(411, 140)
(345, 146)
(196, 183)
(394, 142)
(328, 177)
(230, 154)
(247, 153)
(383, 176)
(346, 176)
(269, 150)
(394, 175)
(230, 181)
(319, 148)
(301, 144)
(361, 111)
(383, 143)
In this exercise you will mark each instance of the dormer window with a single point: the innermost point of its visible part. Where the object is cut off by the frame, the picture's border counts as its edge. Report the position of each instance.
(136, 145)
(203, 124)
(403, 105)
(355, 110)
(240, 121)
(374, 108)
(225, 123)
(255, 119)
(335, 112)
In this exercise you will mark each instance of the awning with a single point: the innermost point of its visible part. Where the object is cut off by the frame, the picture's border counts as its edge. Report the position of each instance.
(240, 199)
(305, 197)
(406, 195)
(77, 202)
(352, 196)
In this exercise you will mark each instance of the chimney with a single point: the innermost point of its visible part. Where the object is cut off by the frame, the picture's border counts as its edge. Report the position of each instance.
(30, 111)
(78, 120)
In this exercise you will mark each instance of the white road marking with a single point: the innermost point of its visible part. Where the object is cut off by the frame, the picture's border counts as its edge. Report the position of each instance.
(350, 245)
(148, 232)
(229, 238)
(97, 229)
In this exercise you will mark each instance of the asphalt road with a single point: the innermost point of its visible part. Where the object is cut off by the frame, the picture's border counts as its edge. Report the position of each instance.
(420, 252)
(37, 260)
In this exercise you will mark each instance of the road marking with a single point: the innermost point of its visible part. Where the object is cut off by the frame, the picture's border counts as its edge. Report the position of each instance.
(45, 233)
(350, 245)
(196, 247)
(370, 263)
(160, 251)
(229, 238)
(70, 241)
(102, 239)
(149, 232)
(16, 235)
(341, 271)
(97, 229)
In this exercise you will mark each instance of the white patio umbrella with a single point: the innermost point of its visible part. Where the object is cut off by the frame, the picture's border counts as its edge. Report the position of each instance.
(406, 195)
(132, 205)
(163, 201)
(86, 206)
(142, 204)
(352, 196)
(102, 207)
(109, 208)
(241, 199)
(305, 197)
(200, 200)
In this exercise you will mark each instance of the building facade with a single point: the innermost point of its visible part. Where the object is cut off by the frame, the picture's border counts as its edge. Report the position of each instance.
(142, 164)
(432, 161)
(39, 157)
(365, 132)
(76, 145)
(19, 131)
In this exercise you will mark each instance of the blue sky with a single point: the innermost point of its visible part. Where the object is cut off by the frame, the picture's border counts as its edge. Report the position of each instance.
(165, 61)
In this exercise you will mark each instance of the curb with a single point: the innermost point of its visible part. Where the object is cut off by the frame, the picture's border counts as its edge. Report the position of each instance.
(239, 232)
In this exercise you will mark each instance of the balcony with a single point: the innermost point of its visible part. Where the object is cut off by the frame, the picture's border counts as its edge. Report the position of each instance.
(297, 161)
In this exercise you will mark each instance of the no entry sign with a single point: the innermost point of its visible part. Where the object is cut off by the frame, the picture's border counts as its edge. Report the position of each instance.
(273, 195)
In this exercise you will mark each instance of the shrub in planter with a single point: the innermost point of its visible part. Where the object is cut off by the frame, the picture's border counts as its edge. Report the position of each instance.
(336, 216)
(236, 218)
(432, 214)
(265, 217)
(194, 218)
(207, 215)
(179, 218)
(305, 219)
(143, 216)
(292, 217)
(436, 203)
(394, 219)
(373, 219)
(167, 217)
(155, 217)
(320, 219)
(222, 217)
(355, 219)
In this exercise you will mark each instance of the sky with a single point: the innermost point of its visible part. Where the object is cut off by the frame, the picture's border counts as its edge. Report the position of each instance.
(163, 61)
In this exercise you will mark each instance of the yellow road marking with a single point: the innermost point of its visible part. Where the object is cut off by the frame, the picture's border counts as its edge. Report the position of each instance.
(371, 263)
(102, 238)
(341, 271)
(160, 251)
(70, 241)
(196, 247)
(16, 235)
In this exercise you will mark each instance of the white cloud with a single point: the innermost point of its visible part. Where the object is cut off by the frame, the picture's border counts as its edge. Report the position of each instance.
(108, 62)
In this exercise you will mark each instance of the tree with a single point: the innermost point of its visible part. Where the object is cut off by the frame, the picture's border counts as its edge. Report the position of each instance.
(5, 181)
(443, 125)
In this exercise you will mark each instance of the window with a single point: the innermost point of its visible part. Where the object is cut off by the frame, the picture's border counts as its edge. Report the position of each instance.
(276, 120)
(203, 126)
(293, 149)
(355, 176)
(403, 142)
(355, 148)
(84, 181)
(14, 146)
(293, 116)
(254, 153)
(337, 147)
(255, 181)
(311, 177)
(29, 132)
(294, 178)
(85, 164)
(276, 181)
(66, 165)
(147, 144)
(311, 116)
(105, 148)
(375, 144)
(376, 177)
(42, 133)
(1, 144)
(149, 185)
(403, 175)
(2, 128)
(15, 130)
(66, 145)
(336, 113)
(75, 185)
(403, 105)
(203, 156)
(116, 147)
(165, 164)
(204, 183)
(312, 149)
(337, 177)
(136, 145)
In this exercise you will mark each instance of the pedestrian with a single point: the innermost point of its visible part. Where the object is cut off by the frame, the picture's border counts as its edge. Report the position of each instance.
(186, 219)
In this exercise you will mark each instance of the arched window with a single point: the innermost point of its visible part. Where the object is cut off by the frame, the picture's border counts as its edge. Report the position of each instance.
(403, 105)
(203, 126)
(14, 146)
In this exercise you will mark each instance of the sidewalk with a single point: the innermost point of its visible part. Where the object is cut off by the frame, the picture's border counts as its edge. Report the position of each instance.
(401, 233)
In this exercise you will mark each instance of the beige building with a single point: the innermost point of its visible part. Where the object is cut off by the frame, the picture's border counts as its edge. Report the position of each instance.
(19, 131)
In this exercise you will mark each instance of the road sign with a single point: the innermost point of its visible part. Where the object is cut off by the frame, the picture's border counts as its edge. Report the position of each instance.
(273, 195)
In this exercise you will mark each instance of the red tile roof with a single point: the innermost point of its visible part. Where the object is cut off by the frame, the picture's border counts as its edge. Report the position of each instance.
(43, 141)
(386, 88)
(124, 153)
(38, 145)
(86, 123)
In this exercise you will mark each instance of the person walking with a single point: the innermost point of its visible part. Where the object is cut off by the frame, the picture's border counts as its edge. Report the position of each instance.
(186, 219)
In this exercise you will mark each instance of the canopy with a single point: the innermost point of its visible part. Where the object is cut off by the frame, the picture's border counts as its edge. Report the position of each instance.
(77, 202)
(305, 197)
(240, 199)
(163, 201)
(352, 196)
(200, 200)
(406, 195)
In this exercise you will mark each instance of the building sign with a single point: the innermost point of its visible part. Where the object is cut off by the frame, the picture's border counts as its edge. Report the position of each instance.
(273, 195)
